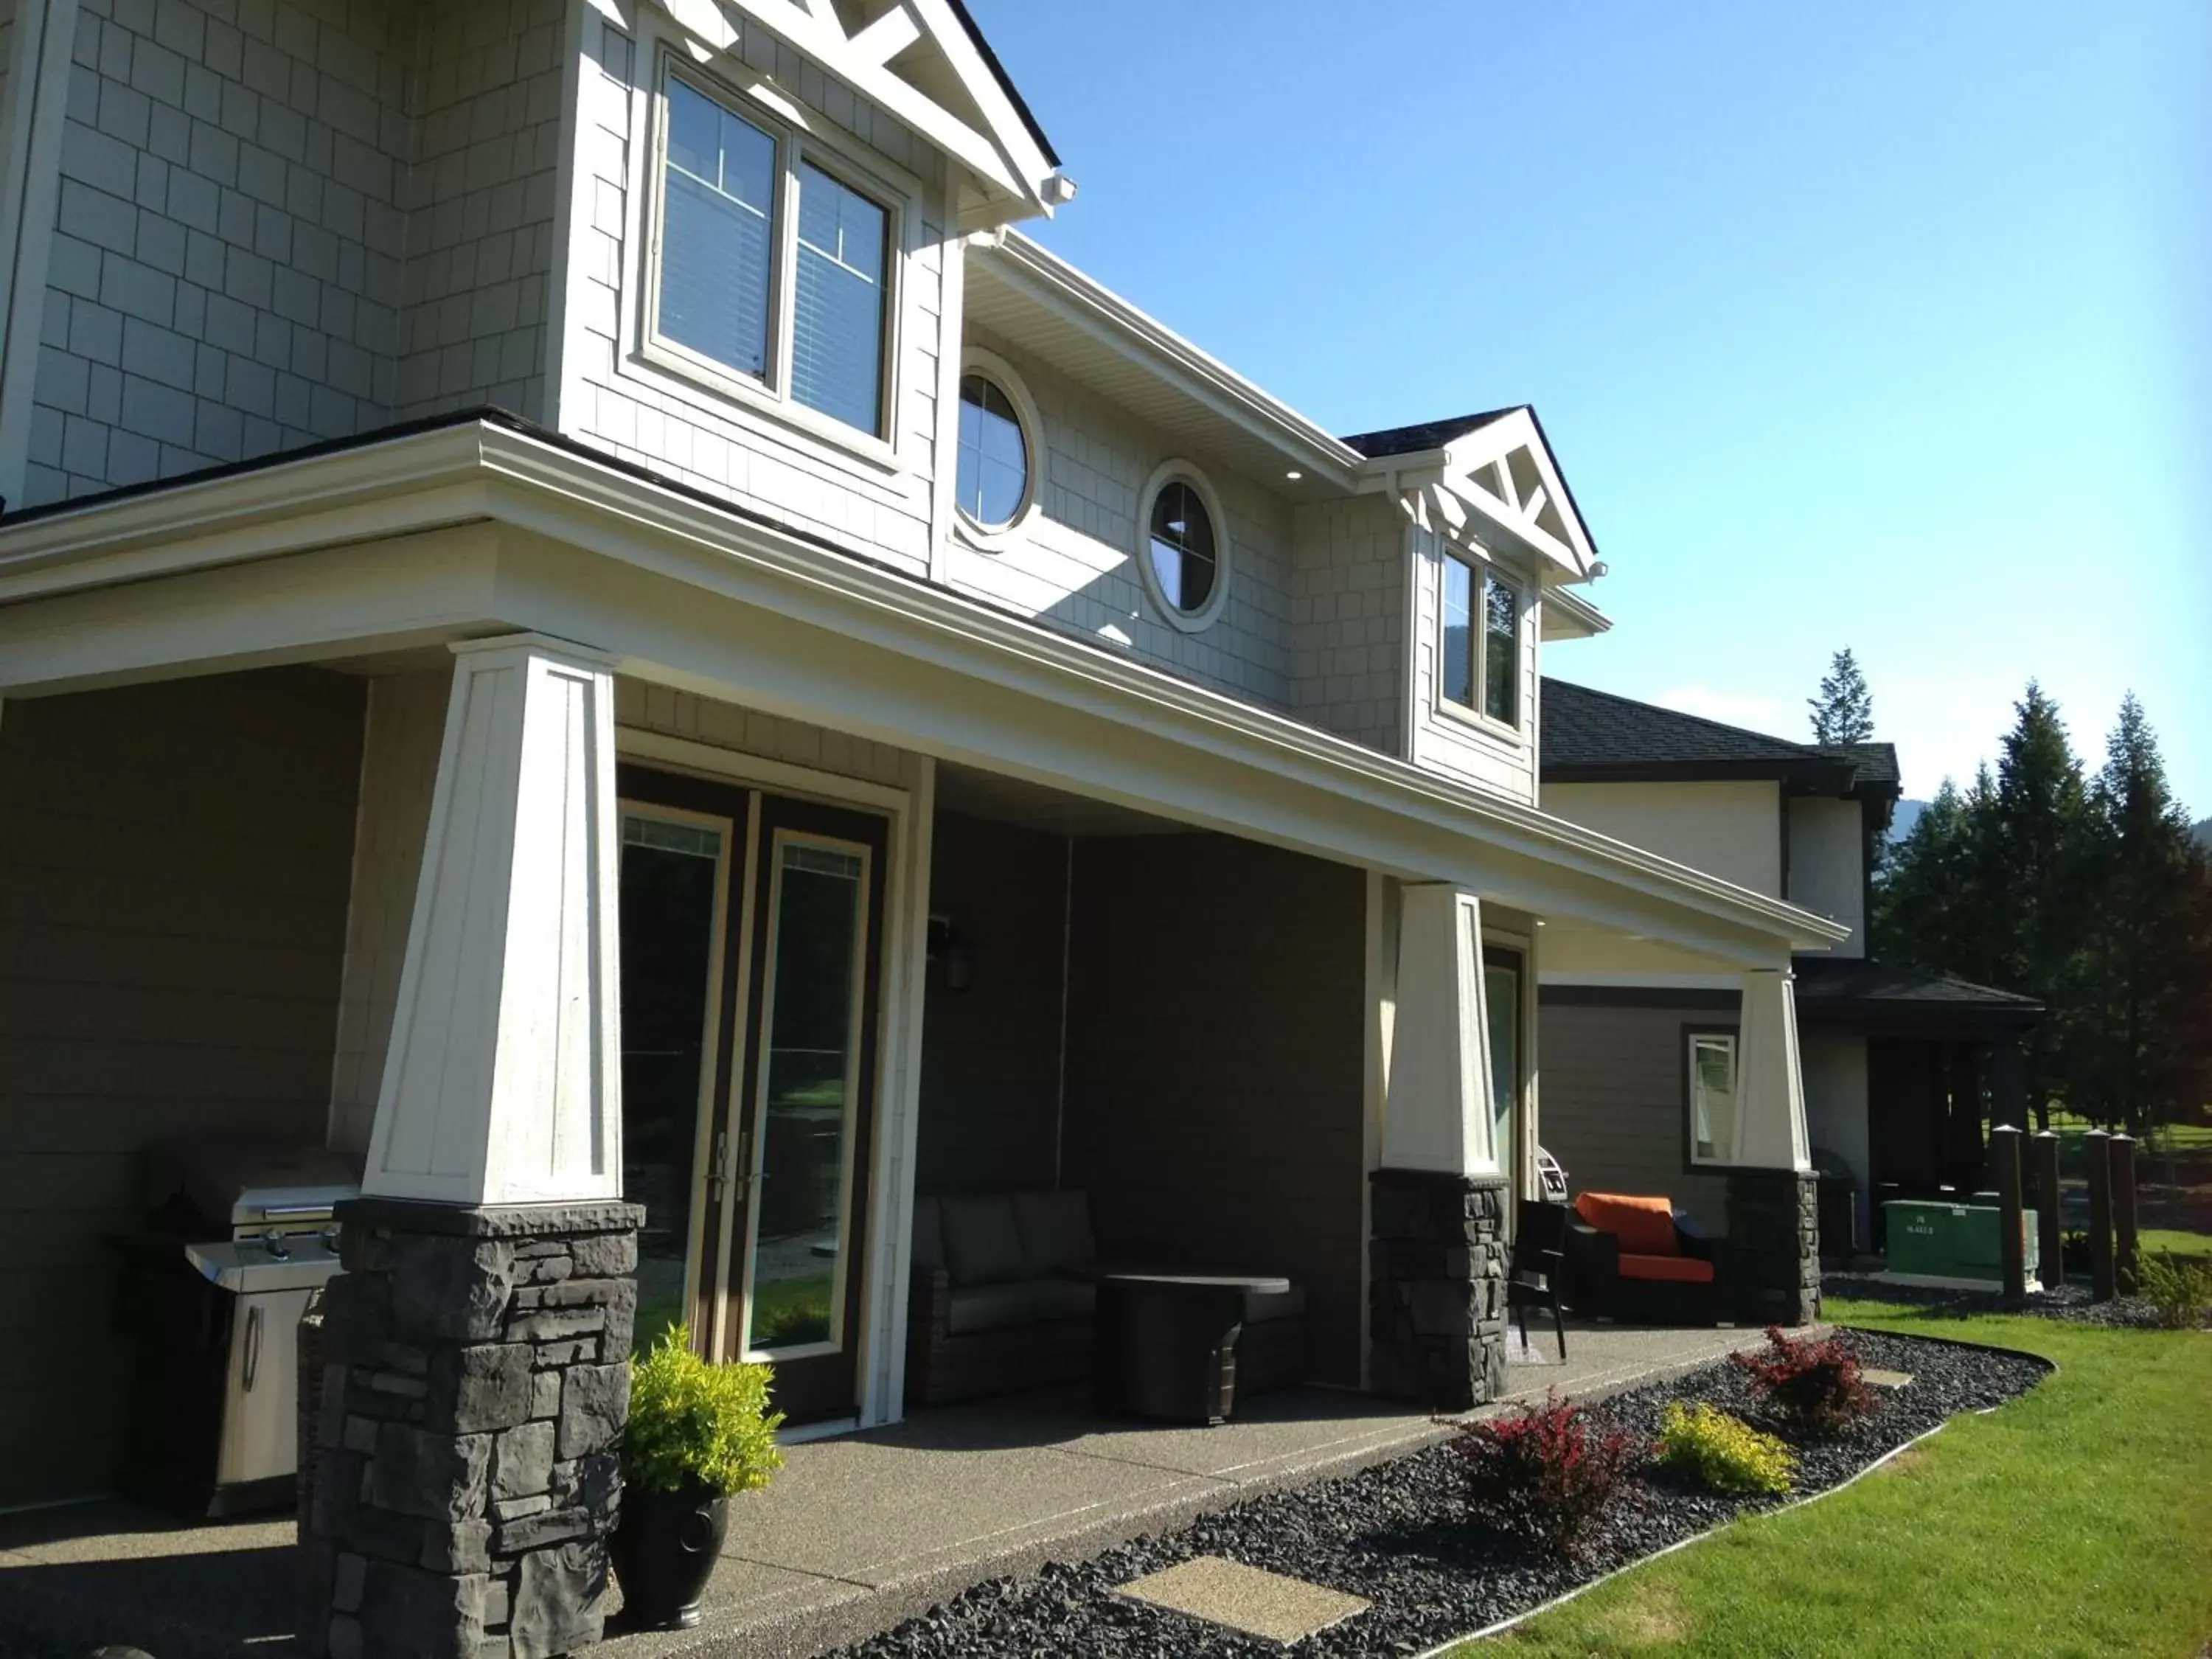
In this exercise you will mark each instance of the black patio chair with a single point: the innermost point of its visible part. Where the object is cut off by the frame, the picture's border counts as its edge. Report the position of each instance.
(1540, 1239)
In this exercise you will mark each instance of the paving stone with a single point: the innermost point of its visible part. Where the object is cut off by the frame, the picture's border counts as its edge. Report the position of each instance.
(1882, 1379)
(1259, 1603)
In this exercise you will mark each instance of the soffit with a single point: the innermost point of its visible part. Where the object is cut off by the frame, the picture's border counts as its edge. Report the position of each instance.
(1116, 371)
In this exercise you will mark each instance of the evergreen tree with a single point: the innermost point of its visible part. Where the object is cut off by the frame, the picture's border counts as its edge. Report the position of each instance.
(1844, 711)
(2035, 903)
(2142, 1045)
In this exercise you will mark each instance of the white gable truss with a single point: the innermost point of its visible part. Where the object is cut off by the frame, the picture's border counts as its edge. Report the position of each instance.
(1500, 477)
(915, 60)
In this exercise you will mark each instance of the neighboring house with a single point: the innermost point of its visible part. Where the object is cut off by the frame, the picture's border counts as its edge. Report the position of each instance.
(871, 714)
(1899, 1066)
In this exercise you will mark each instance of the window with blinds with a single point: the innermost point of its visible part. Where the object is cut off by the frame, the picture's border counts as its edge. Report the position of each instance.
(744, 212)
(838, 314)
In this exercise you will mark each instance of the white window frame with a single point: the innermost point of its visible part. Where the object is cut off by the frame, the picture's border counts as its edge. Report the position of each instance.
(991, 538)
(799, 139)
(1481, 569)
(1691, 1036)
(1179, 470)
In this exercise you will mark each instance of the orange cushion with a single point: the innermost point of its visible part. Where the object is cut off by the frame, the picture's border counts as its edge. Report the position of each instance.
(1675, 1269)
(1644, 1226)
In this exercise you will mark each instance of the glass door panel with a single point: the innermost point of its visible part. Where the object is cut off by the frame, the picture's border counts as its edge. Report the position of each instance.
(1501, 986)
(809, 1094)
(674, 886)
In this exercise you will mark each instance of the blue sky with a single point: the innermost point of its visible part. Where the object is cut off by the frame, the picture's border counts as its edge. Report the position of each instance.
(1879, 325)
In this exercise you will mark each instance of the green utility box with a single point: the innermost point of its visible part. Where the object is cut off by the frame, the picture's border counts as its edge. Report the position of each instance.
(1938, 1242)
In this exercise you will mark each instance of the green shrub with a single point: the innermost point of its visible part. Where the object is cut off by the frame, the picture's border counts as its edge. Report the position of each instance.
(692, 1422)
(2180, 1289)
(1723, 1454)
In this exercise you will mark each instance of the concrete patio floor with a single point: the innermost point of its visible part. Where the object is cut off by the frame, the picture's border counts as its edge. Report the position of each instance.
(857, 1534)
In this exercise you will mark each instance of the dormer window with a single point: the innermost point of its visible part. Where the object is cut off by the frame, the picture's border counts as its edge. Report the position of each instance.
(1480, 654)
(774, 265)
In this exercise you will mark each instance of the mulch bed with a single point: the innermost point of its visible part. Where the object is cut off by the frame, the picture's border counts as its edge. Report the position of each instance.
(2070, 1302)
(1397, 1534)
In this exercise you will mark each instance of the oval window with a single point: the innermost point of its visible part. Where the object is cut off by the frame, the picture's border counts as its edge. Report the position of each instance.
(1184, 561)
(994, 474)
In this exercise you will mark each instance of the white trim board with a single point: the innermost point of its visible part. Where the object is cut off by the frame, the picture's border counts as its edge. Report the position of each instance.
(1095, 722)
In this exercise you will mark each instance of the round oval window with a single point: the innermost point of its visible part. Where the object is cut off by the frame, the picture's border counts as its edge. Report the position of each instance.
(993, 476)
(1184, 561)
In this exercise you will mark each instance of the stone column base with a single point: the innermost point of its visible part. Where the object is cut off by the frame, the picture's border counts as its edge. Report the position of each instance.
(1436, 1288)
(475, 1372)
(1774, 1246)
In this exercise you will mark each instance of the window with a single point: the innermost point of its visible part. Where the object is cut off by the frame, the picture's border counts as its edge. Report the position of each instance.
(741, 204)
(1482, 653)
(993, 476)
(1712, 1098)
(1185, 559)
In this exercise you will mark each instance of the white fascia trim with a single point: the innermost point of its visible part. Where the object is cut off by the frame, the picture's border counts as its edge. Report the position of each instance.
(1054, 283)
(1572, 608)
(429, 480)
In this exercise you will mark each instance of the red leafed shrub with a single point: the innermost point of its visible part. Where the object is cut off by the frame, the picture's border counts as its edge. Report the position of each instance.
(1546, 1476)
(1813, 1384)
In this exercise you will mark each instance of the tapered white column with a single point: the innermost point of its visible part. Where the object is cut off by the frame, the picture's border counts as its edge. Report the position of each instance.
(1770, 1081)
(502, 1082)
(1436, 1104)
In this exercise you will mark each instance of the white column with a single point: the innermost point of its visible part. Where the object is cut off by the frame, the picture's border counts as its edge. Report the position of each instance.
(1769, 1078)
(1436, 1101)
(502, 1081)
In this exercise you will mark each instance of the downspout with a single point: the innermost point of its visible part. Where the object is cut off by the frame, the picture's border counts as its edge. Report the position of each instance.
(1067, 963)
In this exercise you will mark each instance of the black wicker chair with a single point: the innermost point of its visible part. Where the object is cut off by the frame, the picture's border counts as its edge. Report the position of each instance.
(1538, 1267)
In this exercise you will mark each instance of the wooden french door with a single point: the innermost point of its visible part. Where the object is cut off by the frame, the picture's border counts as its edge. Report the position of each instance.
(751, 936)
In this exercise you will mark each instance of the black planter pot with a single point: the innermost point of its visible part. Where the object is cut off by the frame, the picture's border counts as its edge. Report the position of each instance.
(665, 1547)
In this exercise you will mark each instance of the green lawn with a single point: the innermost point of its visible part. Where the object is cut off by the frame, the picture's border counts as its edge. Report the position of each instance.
(2152, 1240)
(2072, 1522)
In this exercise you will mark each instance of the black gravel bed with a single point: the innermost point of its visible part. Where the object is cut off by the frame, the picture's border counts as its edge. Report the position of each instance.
(2070, 1302)
(1396, 1532)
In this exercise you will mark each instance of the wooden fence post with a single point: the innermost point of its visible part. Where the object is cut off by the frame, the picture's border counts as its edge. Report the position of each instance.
(2012, 1225)
(2101, 1215)
(2050, 1232)
(2125, 1255)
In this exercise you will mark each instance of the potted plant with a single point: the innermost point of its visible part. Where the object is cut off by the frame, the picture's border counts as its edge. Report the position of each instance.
(697, 1433)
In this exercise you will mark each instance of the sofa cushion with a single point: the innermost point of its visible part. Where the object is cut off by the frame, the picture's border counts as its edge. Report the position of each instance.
(1055, 1230)
(928, 1235)
(1644, 1226)
(1261, 1308)
(1674, 1269)
(982, 1245)
(1023, 1301)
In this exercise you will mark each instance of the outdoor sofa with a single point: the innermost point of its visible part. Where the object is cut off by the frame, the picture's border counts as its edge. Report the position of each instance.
(1002, 1299)
(1640, 1259)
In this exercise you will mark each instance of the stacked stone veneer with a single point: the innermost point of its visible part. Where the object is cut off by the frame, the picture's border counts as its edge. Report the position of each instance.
(475, 1376)
(1774, 1245)
(1436, 1288)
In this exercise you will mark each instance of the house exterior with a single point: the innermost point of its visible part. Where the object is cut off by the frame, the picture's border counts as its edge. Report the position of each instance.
(566, 561)
(1899, 1066)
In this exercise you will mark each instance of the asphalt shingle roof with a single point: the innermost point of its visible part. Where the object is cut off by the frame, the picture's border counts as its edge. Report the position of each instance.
(1424, 434)
(1832, 980)
(1591, 735)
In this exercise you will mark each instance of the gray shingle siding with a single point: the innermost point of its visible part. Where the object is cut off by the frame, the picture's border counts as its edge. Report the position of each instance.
(286, 221)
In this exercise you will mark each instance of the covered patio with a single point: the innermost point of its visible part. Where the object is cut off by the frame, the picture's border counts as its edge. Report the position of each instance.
(861, 1532)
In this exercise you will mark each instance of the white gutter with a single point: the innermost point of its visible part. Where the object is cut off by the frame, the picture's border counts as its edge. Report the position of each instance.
(428, 480)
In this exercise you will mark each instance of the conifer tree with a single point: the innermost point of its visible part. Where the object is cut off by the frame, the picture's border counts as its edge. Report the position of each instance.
(1843, 710)
(2143, 1041)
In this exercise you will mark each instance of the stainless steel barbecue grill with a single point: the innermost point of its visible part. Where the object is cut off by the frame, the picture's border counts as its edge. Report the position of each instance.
(244, 1233)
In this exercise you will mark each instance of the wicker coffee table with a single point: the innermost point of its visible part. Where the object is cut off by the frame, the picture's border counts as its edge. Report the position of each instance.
(1166, 1343)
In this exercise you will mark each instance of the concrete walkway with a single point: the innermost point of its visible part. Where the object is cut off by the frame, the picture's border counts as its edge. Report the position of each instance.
(857, 1534)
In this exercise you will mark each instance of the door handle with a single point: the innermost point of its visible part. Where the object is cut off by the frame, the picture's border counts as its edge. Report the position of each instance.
(253, 1346)
(717, 1179)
